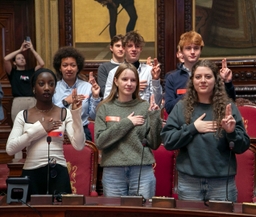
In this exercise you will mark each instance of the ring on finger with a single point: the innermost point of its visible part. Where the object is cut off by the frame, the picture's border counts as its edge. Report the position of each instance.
(53, 123)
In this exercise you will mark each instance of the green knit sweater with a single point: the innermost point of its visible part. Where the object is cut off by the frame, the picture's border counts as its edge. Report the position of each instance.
(120, 141)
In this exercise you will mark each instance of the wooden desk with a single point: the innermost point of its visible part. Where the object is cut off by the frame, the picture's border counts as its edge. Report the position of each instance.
(111, 208)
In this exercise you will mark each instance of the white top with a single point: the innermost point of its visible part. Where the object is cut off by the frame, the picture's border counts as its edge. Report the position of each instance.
(33, 138)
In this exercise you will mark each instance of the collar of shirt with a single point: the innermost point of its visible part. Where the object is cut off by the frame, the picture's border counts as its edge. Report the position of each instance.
(67, 86)
(186, 69)
(114, 62)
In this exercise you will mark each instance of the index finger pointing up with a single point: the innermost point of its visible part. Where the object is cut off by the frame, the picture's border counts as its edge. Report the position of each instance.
(224, 63)
(155, 62)
(228, 110)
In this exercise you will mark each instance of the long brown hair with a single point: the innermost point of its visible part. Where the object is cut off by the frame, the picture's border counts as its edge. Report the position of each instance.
(219, 98)
(114, 91)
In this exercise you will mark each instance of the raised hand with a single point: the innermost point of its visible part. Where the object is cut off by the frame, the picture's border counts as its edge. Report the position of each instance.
(205, 126)
(225, 72)
(152, 105)
(76, 100)
(155, 68)
(137, 120)
(143, 85)
(24, 46)
(228, 123)
(95, 86)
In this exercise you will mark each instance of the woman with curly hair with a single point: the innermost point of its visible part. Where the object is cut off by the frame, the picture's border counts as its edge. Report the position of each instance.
(208, 130)
(68, 63)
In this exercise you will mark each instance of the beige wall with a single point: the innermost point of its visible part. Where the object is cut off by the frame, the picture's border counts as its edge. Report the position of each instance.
(47, 32)
(91, 18)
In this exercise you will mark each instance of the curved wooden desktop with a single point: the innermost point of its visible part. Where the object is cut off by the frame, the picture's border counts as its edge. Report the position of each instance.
(98, 207)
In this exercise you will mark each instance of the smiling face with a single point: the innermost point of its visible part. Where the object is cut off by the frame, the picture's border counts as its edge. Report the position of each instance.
(126, 83)
(132, 52)
(191, 53)
(69, 70)
(44, 86)
(204, 81)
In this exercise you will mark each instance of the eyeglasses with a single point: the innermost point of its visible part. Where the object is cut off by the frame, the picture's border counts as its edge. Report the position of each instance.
(53, 172)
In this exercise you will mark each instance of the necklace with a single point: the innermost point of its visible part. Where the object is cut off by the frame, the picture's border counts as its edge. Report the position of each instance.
(44, 111)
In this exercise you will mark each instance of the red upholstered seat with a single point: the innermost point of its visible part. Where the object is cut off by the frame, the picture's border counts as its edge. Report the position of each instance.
(91, 128)
(245, 178)
(82, 166)
(4, 173)
(164, 171)
(248, 114)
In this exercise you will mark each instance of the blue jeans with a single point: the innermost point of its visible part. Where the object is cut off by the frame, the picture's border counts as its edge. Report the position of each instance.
(193, 188)
(123, 181)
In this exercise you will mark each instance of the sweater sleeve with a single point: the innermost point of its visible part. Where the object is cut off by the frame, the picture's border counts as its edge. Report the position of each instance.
(176, 133)
(107, 136)
(157, 91)
(74, 128)
(109, 82)
(153, 136)
(230, 89)
(102, 76)
(20, 139)
(239, 136)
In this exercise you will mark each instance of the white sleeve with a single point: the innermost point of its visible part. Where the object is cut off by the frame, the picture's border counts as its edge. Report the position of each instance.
(20, 139)
(109, 82)
(157, 91)
(74, 128)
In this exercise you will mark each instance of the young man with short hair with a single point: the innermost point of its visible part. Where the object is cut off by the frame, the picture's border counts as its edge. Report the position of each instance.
(191, 45)
(149, 73)
(117, 50)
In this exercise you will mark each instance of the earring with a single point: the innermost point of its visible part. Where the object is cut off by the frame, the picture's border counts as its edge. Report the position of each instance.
(34, 92)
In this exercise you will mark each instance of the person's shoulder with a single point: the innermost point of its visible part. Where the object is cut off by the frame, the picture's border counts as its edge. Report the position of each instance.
(82, 82)
(113, 71)
(115, 68)
(107, 66)
(105, 105)
(175, 74)
(145, 103)
(59, 84)
(180, 104)
(145, 66)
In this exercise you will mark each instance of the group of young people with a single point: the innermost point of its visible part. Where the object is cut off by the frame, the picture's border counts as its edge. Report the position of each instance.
(203, 120)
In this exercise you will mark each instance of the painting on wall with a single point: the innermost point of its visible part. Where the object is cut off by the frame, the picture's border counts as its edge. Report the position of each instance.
(228, 27)
(97, 21)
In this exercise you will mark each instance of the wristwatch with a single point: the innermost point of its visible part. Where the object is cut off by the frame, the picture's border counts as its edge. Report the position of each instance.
(65, 103)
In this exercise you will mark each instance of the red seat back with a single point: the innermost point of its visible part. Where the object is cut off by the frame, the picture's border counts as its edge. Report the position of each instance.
(91, 128)
(82, 167)
(164, 171)
(245, 178)
(248, 114)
